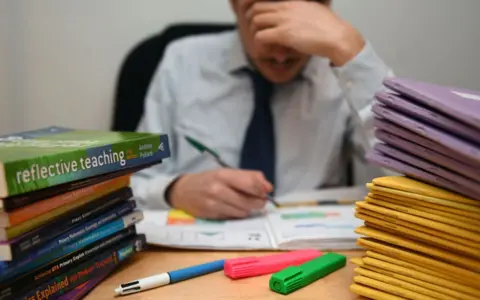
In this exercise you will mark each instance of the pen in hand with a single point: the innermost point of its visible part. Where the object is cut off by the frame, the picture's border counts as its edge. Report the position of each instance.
(204, 149)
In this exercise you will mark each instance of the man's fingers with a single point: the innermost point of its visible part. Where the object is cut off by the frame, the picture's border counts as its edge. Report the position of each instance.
(263, 7)
(221, 209)
(251, 183)
(276, 35)
(264, 21)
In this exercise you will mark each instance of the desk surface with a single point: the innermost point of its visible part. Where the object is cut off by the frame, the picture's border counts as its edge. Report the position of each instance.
(215, 286)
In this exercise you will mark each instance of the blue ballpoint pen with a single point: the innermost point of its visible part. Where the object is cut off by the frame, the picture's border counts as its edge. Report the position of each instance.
(169, 277)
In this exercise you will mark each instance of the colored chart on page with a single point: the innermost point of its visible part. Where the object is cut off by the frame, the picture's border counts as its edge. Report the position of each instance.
(309, 215)
(178, 217)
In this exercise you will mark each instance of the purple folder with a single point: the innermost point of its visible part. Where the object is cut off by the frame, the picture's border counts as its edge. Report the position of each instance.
(450, 141)
(410, 108)
(408, 135)
(461, 104)
(420, 163)
(395, 165)
(429, 154)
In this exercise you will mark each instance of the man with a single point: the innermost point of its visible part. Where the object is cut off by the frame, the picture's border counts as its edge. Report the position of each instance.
(287, 132)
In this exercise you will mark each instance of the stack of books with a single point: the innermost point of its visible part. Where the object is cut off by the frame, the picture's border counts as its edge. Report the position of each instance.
(67, 213)
(421, 229)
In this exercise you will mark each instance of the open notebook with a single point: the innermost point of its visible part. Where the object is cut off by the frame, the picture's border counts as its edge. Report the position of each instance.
(321, 227)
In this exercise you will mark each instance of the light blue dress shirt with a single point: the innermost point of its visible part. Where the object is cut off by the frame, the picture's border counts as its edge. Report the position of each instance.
(196, 91)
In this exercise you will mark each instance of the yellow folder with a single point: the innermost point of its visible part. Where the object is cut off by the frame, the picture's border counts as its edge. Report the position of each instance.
(428, 207)
(405, 282)
(429, 204)
(441, 254)
(394, 269)
(371, 293)
(466, 234)
(419, 236)
(440, 291)
(468, 277)
(384, 263)
(406, 184)
(391, 289)
(473, 206)
(392, 223)
(423, 214)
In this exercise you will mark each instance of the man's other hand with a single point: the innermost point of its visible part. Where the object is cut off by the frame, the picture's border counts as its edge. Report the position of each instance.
(220, 194)
(310, 27)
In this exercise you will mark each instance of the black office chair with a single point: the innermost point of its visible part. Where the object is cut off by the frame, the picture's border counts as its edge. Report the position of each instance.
(139, 66)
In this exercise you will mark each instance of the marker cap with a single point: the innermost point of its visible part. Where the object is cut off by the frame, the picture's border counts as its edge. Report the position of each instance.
(260, 265)
(296, 277)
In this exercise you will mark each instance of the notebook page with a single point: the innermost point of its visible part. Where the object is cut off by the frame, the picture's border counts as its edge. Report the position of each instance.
(179, 230)
(320, 227)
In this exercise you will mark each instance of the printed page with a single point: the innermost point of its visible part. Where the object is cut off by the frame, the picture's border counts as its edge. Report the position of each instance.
(177, 229)
(320, 227)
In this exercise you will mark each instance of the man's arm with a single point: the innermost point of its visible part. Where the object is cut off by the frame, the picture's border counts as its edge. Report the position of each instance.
(360, 78)
(149, 185)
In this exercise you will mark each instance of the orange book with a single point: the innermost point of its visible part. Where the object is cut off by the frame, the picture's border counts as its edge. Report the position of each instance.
(39, 208)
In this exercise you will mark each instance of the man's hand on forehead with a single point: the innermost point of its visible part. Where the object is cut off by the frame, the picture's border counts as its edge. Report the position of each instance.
(309, 27)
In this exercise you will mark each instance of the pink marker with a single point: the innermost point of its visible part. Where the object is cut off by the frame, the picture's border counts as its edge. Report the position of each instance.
(251, 266)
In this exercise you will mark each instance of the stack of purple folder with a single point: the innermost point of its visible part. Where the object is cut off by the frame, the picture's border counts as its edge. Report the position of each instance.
(430, 133)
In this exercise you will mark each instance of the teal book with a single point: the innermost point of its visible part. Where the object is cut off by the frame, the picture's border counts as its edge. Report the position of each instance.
(47, 157)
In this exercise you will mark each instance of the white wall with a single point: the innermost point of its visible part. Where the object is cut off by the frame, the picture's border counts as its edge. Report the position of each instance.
(5, 100)
(436, 40)
(72, 51)
(66, 54)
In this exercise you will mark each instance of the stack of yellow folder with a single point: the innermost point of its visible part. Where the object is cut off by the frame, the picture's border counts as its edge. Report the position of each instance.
(421, 242)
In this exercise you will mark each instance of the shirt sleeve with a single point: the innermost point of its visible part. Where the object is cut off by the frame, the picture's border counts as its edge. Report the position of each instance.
(359, 80)
(149, 185)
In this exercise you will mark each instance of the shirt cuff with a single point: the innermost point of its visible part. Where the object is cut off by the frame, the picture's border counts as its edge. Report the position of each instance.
(150, 192)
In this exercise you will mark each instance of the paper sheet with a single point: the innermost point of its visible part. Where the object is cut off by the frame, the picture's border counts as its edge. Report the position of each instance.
(176, 229)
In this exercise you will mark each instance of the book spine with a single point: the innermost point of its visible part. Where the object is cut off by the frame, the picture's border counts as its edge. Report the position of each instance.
(53, 214)
(35, 238)
(16, 202)
(67, 221)
(28, 212)
(79, 231)
(13, 269)
(105, 262)
(29, 175)
(82, 290)
(46, 272)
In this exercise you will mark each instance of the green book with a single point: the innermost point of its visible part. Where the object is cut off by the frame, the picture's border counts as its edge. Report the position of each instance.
(38, 159)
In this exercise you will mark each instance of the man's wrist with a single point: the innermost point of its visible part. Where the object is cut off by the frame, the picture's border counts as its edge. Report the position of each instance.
(169, 190)
(347, 46)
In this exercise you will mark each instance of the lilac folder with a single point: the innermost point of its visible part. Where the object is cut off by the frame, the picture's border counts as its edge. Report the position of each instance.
(380, 159)
(415, 110)
(429, 154)
(450, 141)
(461, 104)
(420, 163)
(408, 135)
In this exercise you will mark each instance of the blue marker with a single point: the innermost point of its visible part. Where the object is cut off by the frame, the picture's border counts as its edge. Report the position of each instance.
(169, 278)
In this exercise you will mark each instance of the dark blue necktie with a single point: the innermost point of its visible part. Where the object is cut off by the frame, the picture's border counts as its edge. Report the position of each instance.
(258, 151)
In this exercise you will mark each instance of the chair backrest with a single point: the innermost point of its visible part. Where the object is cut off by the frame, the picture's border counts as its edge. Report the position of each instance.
(138, 69)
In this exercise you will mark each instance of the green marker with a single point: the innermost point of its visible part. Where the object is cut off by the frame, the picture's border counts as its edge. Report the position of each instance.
(294, 278)
(204, 149)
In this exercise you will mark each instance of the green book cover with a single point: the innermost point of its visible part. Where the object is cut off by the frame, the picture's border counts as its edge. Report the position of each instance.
(33, 160)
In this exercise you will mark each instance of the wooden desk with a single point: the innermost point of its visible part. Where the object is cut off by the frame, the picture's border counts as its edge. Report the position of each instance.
(216, 286)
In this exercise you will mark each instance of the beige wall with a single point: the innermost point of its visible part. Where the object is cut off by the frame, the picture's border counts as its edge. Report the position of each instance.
(66, 54)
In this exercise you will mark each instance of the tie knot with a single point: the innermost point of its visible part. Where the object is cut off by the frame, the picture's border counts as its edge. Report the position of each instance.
(262, 87)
